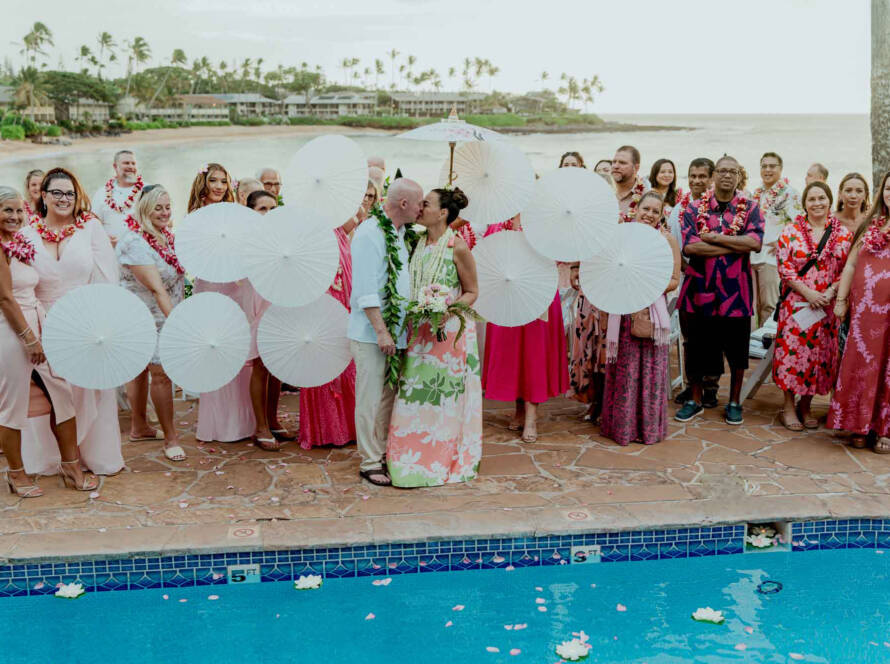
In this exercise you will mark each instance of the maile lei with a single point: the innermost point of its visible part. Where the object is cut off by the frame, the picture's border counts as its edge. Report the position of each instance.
(875, 238)
(167, 253)
(772, 195)
(20, 248)
(804, 226)
(128, 201)
(637, 193)
(739, 202)
(431, 301)
(67, 231)
(391, 298)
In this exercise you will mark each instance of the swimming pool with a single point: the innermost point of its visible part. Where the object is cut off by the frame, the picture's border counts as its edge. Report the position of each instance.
(834, 606)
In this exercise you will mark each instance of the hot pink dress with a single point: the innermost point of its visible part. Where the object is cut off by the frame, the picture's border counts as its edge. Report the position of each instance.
(327, 412)
(226, 414)
(16, 369)
(528, 362)
(86, 257)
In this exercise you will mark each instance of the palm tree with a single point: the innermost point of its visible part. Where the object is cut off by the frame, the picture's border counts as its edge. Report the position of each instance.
(451, 72)
(492, 71)
(85, 56)
(393, 54)
(545, 76)
(345, 64)
(880, 91)
(138, 52)
(29, 89)
(106, 43)
(177, 59)
(589, 88)
(378, 72)
(257, 69)
(34, 41)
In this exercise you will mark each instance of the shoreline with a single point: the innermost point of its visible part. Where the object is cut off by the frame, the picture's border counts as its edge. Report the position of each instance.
(11, 151)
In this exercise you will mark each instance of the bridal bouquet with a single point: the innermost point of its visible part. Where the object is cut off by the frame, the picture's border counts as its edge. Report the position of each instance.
(434, 305)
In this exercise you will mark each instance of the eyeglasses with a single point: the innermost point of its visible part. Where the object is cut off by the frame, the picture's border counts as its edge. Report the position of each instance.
(727, 171)
(370, 197)
(58, 194)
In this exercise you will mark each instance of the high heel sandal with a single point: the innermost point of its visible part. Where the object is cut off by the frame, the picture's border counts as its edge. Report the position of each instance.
(29, 491)
(70, 482)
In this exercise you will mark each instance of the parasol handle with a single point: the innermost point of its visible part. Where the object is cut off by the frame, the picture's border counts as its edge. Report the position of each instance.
(451, 163)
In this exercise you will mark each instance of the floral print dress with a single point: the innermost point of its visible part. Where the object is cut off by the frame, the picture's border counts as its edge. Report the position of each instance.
(806, 361)
(435, 434)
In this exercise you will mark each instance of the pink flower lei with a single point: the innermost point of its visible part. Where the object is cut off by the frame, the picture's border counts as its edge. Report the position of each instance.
(20, 248)
(704, 212)
(638, 190)
(128, 202)
(804, 226)
(168, 253)
(875, 239)
(771, 195)
(67, 231)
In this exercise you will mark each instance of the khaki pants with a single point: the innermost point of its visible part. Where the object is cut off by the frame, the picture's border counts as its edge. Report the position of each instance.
(373, 404)
(766, 285)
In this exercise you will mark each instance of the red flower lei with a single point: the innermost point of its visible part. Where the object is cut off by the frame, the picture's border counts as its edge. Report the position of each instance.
(66, 232)
(704, 212)
(19, 248)
(168, 253)
(128, 202)
(31, 214)
(771, 195)
(875, 239)
(638, 190)
(804, 226)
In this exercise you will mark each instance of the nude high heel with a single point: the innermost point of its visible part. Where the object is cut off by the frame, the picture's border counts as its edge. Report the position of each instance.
(90, 482)
(29, 491)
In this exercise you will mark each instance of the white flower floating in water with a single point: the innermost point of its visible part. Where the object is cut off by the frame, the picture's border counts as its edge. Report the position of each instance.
(574, 650)
(70, 590)
(308, 582)
(709, 615)
(760, 541)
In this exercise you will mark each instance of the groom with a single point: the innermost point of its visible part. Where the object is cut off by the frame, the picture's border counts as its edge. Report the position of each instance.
(379, 258)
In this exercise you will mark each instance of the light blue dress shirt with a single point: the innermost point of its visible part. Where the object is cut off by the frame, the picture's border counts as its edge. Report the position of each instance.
(369, 277)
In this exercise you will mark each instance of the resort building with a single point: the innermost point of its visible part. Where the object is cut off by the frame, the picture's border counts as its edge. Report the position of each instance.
(331, 105)
(89, 111)
(248, 105)
(42, 114)
(434, 104)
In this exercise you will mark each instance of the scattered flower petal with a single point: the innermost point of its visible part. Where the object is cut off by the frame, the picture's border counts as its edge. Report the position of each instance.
(94, 495)
(515, 651)
(542, 609)
(212, 597)
(795, 655)
(457, 607)
(370, 616)
(508, 627)
(749, 629)
(741, 646)
(449, 624)
(183, 601)
(540, 600)
(520, 626)
(492, 649)
(165, 596)
(621, 608)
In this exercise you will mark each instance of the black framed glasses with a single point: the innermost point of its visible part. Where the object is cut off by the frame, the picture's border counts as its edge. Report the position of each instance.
(58, 194)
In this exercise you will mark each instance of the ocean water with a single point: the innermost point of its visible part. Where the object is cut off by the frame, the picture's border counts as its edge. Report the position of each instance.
(841, 142)
(833, 607)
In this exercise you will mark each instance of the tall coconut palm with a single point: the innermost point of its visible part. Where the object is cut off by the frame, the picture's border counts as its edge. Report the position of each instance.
(378, 72)
(176, 60)
(880, 90)
(492, 71)
(393, 54)
(29, 89)
(138, 52)
(106, 43)
(34, 42)
(85, 56)
(258, 69)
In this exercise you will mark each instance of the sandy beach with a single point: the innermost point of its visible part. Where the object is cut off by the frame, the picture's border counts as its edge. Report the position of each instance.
(14, 150)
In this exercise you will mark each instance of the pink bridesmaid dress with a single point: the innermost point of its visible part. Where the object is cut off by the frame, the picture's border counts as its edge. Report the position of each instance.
(86, 257)
(327, 412)
(16, 369)
(528, 362)
(226, 415)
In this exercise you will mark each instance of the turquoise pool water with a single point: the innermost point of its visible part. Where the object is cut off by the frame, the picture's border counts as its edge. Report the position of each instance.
(834, 606)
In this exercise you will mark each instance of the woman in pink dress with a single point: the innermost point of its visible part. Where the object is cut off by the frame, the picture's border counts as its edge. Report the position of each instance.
(635, 395)
(226, 415)
(806, 360)
(861, 402)
(526, 364)
(327, 412)
(72, 250)
(22, 353)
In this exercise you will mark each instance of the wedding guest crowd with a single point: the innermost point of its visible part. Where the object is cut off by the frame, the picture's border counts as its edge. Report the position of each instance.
(411, 400)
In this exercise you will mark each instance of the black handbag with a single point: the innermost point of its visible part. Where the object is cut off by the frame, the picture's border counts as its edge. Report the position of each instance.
(804, 269)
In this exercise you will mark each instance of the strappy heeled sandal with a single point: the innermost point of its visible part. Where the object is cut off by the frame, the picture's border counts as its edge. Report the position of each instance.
(89, 482)
(29, 491)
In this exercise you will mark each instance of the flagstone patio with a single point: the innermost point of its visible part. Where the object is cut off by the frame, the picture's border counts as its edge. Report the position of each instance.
(236, 496)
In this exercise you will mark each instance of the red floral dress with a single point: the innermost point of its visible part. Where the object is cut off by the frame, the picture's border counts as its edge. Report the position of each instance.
(806, 361)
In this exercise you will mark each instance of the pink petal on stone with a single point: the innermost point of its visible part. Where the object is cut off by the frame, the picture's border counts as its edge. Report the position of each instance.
(457, 607)
(370, 616)
(167, 474)
(94, 495)
(621, 608)
(183, 505)
(515, 651)
(212, 597)
(795, 655)
(740, 646)
(492, 649)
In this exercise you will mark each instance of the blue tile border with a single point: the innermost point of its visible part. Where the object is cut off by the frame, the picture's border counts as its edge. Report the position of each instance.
(141, 573)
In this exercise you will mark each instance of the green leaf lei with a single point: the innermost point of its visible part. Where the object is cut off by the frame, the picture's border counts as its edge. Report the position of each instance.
(391, 297)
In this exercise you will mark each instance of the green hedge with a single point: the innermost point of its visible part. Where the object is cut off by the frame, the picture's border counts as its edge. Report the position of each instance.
(12, 132)
(496, 120)
(53, 131)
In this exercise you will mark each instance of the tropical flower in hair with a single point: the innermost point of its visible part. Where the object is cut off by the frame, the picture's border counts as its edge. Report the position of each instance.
(204, 169)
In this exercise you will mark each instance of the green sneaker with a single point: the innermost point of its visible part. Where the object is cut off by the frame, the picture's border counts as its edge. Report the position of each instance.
(733, 414)
(689, 410)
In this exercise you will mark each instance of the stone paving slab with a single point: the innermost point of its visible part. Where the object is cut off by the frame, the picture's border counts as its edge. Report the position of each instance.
(236, 496)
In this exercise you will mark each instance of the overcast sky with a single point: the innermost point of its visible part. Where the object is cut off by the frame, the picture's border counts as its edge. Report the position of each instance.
(672, 56)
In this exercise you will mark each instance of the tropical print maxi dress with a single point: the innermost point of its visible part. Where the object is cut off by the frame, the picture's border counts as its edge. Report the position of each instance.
(806, 361)
(435, 434)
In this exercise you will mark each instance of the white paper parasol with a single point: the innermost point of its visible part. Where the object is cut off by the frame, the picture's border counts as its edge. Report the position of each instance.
(99, 336)
(571, 216)
(209, 241)
(204, 342)
(292, 257)
(516, 284)
(497, 178)
(631, 272)
(451, 130)
(329, 174)
(305, 346)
